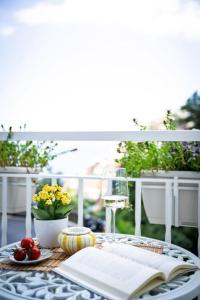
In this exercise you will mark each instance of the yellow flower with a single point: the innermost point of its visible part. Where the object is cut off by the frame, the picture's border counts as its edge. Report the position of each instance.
(59, 188)
(43, 195)
(48, 202)
(53, 188)
(65, 200)
(46, 188)
(59, 195)
(34, 198)
(50, 193)
(51, 196)
(67, 195)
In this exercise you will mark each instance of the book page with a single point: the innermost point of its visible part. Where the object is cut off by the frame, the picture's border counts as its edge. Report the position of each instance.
(108, 274)
(168, 265)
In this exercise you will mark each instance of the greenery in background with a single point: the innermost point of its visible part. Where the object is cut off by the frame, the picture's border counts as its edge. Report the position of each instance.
(51, 203)
(27, 154)
(192, 109)
(138, 157)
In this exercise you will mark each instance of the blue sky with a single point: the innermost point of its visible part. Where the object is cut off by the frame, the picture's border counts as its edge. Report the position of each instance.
(100, 63)
(94, 65)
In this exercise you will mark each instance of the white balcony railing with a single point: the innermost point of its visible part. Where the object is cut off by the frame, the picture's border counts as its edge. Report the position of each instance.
(140, 136)
(170, 186)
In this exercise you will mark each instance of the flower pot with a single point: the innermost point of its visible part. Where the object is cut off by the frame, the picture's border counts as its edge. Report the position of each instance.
(16, 199)
(47, 231)
(74, 239)
(153, 195)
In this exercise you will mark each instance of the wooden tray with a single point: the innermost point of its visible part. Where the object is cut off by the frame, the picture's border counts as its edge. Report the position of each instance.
(58, 256)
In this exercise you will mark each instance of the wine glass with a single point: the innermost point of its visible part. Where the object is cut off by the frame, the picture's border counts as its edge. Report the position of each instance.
(117, 196)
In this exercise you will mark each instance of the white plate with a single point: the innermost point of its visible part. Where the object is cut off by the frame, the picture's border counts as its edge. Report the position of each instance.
(45, 253)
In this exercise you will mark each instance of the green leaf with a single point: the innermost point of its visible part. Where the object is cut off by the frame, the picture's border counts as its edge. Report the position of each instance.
(41, 214)
(63, 210)
(51, 211)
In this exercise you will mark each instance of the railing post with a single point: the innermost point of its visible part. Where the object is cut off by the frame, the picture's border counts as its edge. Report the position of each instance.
(168, 211)
(108, 209)
(80, 202)
(176, 202)
(138, 205)
(198, 216)
(4, 220)
(28, 206)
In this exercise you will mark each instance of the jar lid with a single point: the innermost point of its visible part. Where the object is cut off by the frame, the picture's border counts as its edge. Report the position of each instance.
(76, 230)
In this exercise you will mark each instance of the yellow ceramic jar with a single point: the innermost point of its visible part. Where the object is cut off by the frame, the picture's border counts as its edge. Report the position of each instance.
(73, 239)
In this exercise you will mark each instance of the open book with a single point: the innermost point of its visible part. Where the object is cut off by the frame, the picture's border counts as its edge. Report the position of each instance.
(121, 271)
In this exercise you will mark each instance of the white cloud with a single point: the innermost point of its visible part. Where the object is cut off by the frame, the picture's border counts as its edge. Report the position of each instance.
(151, 17)
(7, 30)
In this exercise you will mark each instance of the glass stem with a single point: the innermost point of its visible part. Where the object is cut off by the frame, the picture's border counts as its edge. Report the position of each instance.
(113, 235)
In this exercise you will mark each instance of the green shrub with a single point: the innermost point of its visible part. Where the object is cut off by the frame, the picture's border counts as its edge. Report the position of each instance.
(27, 154)
(138, 157)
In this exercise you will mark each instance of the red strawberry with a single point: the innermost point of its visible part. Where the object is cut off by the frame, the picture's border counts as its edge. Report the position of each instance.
(27, 243)
(34, 253)
(20, 254)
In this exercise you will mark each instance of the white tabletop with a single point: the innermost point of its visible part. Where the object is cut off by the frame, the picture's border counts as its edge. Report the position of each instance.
(31, 285)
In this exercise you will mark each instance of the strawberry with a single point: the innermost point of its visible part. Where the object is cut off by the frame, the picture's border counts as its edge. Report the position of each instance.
(27, 243)
(34, 253)
(20, 254)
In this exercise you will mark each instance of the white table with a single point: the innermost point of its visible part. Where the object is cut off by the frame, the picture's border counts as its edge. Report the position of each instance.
(15, 285)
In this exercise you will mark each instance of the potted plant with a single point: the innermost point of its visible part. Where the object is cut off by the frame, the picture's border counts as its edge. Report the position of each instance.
(164, 160)
(22, 157)
(51, 210)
